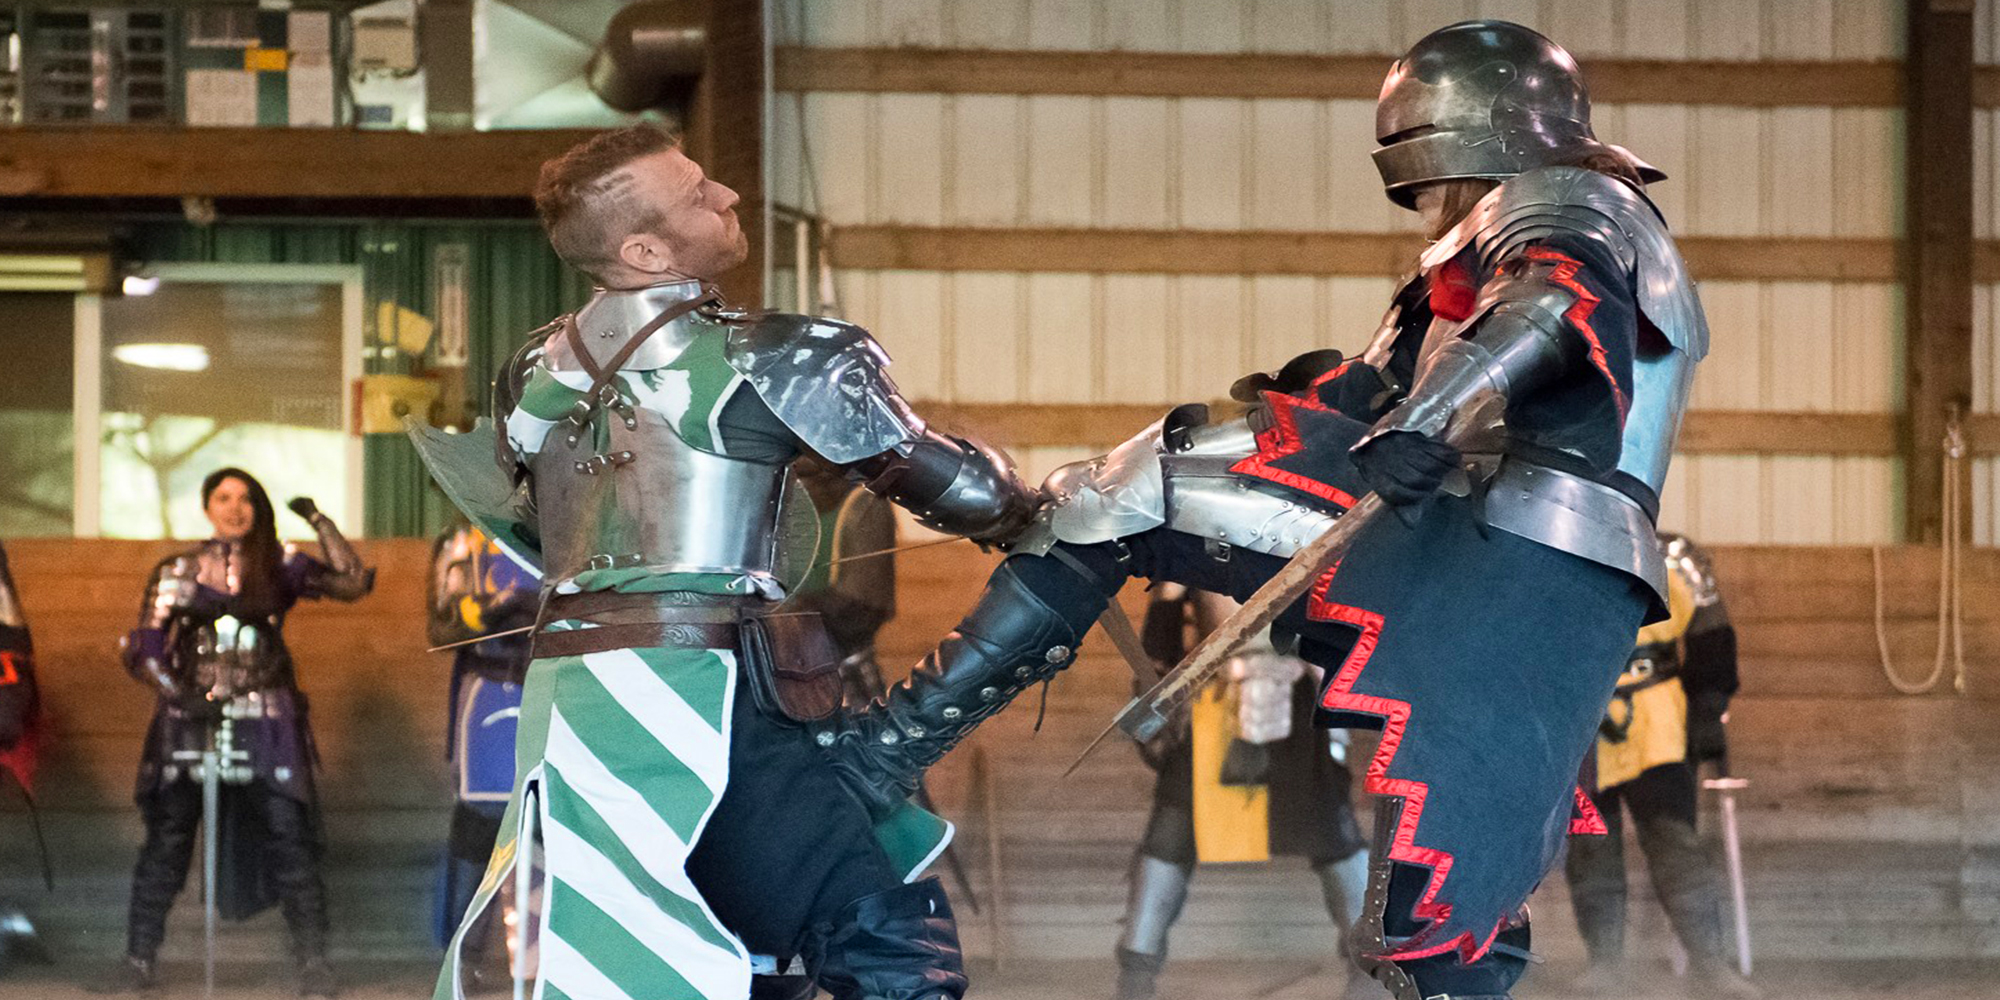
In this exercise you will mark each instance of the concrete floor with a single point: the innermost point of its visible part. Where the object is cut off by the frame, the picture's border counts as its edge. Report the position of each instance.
(1195, 980)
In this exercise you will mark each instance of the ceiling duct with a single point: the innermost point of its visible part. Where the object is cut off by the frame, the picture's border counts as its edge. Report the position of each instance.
(651, 56)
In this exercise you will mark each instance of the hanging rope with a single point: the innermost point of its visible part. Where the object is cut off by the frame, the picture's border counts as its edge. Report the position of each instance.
(1951, 589)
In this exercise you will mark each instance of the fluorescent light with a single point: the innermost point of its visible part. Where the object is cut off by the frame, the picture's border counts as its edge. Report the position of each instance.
(166, 357)
(136, 285)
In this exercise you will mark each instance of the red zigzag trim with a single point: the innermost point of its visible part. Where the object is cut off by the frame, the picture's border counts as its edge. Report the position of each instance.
(1283, 440)
(1579, 314)
(1340, 697)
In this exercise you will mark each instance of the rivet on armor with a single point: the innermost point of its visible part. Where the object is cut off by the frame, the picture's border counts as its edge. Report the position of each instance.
(953, 712)
(917, 732)
(989, 693)
(824, 739)
(889, 738)
(1056, 654)
(572, 440)
(1022, 672)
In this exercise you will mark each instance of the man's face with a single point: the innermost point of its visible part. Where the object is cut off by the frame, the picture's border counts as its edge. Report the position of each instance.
(697, 215)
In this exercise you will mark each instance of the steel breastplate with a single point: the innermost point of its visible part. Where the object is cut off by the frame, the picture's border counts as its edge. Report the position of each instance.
(228, 656)
(651, 501)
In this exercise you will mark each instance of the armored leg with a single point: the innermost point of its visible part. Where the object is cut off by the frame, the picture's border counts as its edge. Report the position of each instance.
(1595, 870)
(172, 816)
(1684, 877)
(1025, 628)
(294, 866)
(1158, 890)
(1344, 883)
(898, 944)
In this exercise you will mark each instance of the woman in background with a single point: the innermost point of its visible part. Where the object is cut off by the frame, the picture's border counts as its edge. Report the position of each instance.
(210, 642)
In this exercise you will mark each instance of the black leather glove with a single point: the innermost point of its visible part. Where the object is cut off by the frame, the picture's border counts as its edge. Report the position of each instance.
(1707, 737)
(1246, 764)
(1360, 392)
(304, 507)
(1404, 467)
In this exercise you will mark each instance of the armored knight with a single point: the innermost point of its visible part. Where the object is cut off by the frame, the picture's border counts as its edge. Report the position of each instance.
(690, 827)
(1515, 413)
(475, 592)
(1664, 722)
(210, 643)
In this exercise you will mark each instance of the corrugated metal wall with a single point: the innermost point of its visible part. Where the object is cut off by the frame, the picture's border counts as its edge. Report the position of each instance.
(1001, 160)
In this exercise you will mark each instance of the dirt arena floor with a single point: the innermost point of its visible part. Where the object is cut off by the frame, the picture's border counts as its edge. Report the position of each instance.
(1193, 980)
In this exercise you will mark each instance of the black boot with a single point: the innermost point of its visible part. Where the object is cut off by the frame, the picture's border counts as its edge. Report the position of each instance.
(898, 944)
(1011, 641)
(1684, 878)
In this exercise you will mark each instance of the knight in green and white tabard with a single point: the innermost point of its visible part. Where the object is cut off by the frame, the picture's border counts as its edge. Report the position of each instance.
(687, 821)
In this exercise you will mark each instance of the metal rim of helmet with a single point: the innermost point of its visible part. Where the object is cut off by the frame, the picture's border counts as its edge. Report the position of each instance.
(1484, 100)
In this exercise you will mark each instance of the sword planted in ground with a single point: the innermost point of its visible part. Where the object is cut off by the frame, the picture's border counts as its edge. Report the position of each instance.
(1726, 788)
(1143, 717)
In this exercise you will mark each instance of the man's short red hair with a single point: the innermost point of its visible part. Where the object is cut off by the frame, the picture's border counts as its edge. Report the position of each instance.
(584, 232)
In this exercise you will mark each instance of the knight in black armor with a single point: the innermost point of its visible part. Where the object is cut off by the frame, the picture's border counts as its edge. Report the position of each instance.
(21, 733)
(1515, 413)
(1665, 721)
(210, 644)
(644, 449)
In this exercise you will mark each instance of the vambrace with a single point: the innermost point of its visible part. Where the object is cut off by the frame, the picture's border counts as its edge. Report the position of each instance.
(147, 649)
(1518, 345)
(347, 579)
(956, 485)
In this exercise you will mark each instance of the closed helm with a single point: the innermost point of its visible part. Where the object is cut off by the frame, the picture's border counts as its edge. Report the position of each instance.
(1484, 99)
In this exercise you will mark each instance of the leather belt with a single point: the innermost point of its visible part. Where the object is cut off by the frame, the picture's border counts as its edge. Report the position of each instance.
(604, 638)
(625, 621)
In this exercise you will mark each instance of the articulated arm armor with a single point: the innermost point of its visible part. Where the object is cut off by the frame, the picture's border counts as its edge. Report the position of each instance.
(1520, 345)
(148, 653)
(347, 579)
(828, 381)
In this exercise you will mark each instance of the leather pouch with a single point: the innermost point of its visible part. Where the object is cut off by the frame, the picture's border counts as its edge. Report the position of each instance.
(793, 665)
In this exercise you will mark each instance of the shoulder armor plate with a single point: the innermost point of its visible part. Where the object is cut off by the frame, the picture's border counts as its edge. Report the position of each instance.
(826, 380)
(1585, 204)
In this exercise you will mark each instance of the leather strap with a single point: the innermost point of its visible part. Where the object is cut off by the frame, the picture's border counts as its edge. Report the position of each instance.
(605, 638)
(678, 607)
(601, 376)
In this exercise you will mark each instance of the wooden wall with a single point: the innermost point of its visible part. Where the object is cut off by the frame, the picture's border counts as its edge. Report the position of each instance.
(1872, 822)
(1221, 164)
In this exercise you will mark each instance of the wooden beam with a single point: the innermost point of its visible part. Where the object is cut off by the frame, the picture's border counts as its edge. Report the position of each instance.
(1183, 251)
(726, 134)
(1724, 432)
(139, 162)
(1276, 75)
(1938, 297)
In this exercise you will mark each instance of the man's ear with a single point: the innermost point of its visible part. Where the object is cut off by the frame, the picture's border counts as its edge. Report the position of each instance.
(646, 253)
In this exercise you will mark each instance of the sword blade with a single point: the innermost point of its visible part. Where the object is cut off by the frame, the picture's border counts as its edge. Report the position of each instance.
(480, 638)
(1732, 846)
(895, 549)
(211, 827)
(1145, 715)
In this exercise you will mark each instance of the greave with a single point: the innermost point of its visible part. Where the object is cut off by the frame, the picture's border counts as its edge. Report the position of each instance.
(1344, 883)
(1683, 875)
(1010, 641)
(898, 944)
(1159, 889)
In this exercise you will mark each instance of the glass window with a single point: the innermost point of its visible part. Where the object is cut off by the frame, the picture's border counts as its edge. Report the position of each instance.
(37, 470)
(219, 371)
